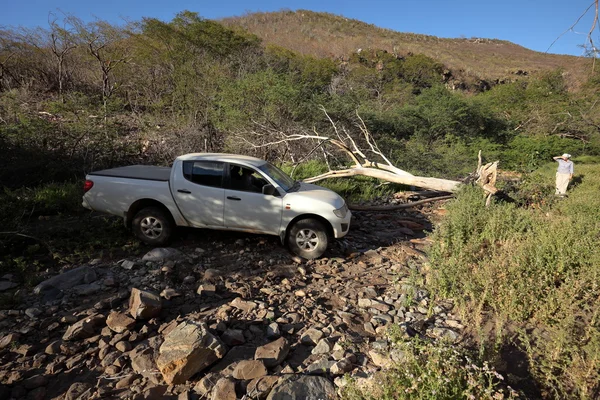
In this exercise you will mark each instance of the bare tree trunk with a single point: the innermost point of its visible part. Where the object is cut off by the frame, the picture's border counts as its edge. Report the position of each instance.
(442, 185)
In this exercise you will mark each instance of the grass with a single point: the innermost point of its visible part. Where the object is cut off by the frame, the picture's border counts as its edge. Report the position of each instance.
(46, 226)
(531, 268)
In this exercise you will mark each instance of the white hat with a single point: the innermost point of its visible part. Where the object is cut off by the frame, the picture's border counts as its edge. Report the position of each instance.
(566, 155)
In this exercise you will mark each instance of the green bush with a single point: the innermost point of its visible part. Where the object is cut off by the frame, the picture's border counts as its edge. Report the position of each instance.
(433, 371)
(533, 269)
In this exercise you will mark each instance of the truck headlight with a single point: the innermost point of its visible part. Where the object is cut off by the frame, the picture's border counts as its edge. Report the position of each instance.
(341, 212)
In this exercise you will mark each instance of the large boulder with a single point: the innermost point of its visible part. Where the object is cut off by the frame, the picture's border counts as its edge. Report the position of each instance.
(143, 304)
(68, 280)
(300, 387)
(188, 349)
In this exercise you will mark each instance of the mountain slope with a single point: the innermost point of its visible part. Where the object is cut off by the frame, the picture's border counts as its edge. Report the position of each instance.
(328, 35)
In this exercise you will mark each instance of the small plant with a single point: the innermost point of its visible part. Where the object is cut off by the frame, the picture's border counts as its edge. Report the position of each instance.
(433, 371)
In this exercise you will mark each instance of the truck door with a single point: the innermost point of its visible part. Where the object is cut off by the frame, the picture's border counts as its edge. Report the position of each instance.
(246, 207)
(199, 192)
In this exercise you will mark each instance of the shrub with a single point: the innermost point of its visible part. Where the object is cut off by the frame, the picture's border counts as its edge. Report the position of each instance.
(433, 371)
(534, 269)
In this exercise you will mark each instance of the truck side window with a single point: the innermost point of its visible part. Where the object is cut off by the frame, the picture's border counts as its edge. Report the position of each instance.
(246, 179)
(206, 173)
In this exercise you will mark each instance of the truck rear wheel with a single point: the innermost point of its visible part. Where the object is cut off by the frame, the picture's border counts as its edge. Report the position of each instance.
(308, 238)
(153, 226)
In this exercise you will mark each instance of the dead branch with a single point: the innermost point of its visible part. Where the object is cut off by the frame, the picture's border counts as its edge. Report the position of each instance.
(395, 207)
(268, 136)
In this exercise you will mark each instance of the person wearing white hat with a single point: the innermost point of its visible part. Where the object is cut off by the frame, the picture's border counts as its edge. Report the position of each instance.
(564, 173)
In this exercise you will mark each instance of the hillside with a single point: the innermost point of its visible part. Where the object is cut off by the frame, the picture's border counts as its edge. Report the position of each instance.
(328, 35)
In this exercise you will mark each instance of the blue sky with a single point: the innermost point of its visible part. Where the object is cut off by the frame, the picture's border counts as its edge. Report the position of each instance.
(534, 24)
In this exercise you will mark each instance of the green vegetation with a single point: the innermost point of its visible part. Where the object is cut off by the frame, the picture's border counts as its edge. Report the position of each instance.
(434, 371)
(532, 270)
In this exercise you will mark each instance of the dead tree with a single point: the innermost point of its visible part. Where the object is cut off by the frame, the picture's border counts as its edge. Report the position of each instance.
(362, 163)
(62, 42)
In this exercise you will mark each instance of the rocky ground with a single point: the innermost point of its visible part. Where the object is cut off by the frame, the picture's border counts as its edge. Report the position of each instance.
(223, 316)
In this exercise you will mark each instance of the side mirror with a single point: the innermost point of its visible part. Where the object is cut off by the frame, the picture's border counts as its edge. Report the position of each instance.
(270, 190)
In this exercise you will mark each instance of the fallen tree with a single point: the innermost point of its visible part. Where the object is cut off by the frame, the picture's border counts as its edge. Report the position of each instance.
(362, 164)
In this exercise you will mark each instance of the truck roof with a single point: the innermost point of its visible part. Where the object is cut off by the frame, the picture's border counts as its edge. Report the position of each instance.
(235, 158)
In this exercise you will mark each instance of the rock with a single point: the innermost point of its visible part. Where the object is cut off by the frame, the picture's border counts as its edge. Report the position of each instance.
(185, 395)
(87, 289)
(207, 290)
(128, 264)
(398, 355)
(364, 303)
(66, 280)
(188, 349)
(243, 305)
(300, 387)
(212, 274)
(9, 340)
(273, 353)
(84, 328)
(155, 393)
(233, 356)
(142, 363)
(25, 350)
(53, 348)
(273, 331)
(110, 358)
(37, 394)
(125, 382)
(206, 384)
(35, 381)
(323, 347)
(233, 337)
(112, 370)
(169, 293)
(6, 285)
(381, 360)
(320, 367)
(189, 280)
(311, 337)
(162, 254)
(119, 322)
(444, 334)
(143, 304)
(259, 388)
(224, 390)
(123, 346)
(369, 328)
(343, 366)
(79, 391)
(249, 369)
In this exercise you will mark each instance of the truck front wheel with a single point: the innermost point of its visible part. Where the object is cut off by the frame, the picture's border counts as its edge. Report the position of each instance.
(308, 238)
(152, 226)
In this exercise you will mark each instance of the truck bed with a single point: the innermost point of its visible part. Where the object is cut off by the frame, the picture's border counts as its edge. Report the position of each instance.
(144, 172)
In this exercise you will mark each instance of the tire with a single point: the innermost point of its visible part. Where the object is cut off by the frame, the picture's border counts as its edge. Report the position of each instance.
(153, 226)
(308, 238)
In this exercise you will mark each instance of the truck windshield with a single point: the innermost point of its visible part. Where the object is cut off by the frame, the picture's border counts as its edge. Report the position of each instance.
(284, 181)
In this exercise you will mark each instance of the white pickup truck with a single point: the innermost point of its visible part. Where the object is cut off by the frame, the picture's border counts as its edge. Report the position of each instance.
(219, 191)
